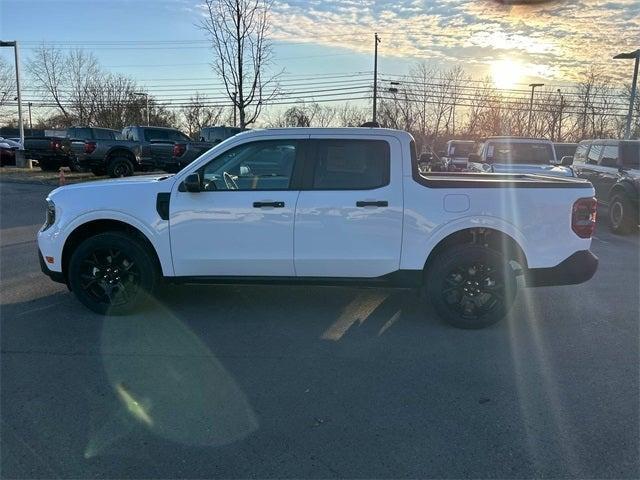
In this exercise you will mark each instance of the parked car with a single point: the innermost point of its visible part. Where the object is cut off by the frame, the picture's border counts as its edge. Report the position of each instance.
(517, 155)
(456, 154)
(564, 149)
(141, 148)
(8, 149)
(613, 167)
(215, 135)
(63, 151)
(363, 215)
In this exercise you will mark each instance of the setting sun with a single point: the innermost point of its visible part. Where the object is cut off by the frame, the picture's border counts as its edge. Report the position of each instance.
(506, 73)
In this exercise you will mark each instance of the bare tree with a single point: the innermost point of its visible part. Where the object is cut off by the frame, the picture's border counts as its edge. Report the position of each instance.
(47, 70)
(351, 115)
(197, 114)
(238, 32)
(7, 82)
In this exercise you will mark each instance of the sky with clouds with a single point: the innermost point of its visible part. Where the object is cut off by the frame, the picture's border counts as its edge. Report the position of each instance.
(552, 41)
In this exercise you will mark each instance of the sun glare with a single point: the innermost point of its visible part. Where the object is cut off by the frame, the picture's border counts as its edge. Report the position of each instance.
(506, 73)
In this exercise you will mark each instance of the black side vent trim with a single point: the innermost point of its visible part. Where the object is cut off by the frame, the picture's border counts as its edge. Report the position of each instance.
(162, 205)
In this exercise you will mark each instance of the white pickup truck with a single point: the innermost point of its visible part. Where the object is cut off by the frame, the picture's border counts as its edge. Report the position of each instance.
(517, 155)
(321, 206)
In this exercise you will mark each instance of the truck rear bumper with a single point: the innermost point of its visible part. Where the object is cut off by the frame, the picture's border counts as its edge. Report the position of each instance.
(578, 268)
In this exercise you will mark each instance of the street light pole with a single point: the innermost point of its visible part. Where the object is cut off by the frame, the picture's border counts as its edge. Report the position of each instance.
(14, 44)
(375, 75)
(533, 87)
(636, 55)
(30, 122)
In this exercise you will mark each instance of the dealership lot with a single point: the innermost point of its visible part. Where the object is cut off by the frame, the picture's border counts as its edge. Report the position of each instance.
(316, 382)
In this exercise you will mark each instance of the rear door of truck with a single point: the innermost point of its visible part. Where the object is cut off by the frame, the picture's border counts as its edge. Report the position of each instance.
(349, 214)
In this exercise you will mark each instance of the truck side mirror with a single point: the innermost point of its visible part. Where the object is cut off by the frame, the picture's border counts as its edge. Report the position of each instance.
(191, 183)
(566, 161)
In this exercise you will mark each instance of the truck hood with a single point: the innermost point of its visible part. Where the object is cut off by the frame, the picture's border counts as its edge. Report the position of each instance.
(106, 193)
(553, 170)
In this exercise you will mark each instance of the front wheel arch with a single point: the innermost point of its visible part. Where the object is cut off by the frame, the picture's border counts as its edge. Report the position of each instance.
(96, 227)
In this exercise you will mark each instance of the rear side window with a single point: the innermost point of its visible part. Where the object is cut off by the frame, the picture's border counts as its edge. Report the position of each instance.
(156, 134)
(103, 134)
(351, 165)
(79, 134)
(594, 154)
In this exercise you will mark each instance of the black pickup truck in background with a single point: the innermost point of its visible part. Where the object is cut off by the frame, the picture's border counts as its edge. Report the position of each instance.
(63, 151)
(141, 148)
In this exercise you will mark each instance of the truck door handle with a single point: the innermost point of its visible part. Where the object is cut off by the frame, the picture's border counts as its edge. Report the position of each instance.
(374, 203)
(268, 204)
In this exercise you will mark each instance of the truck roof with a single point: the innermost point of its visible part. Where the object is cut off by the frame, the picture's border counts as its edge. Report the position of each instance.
(507, 138)
(353, 131)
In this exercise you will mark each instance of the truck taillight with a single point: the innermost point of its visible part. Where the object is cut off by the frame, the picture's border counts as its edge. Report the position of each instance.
(583, 217)
(56, 144)
(179, 149)
(89, 147)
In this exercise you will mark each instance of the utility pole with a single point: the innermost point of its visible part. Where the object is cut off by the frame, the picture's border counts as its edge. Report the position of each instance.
(235, 96)
(30, 122)
(375, 75)
(533, 87)
(636, 55)
(560, 119)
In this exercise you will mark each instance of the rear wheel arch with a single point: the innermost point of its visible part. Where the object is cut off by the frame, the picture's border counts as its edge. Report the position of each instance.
(120, 153)
(491, 238)
(95, 227)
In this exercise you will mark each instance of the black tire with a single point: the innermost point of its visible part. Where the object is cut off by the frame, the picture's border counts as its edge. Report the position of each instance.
(112, 273)
(471, 286)
(623, 215)
(120, 167)
(46, 166)
(98, 171)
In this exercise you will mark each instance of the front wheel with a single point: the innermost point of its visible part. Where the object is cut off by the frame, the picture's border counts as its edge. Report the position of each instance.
(471, 286)
(623, 216)
(112, 273)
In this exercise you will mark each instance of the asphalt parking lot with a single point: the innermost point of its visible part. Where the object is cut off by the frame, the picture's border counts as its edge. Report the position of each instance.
(240, 382)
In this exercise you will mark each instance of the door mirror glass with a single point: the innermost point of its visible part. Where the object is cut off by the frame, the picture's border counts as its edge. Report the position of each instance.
(192, 183)
(566, 161)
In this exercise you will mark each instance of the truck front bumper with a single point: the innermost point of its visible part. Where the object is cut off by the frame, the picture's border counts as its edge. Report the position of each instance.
(55, 276)
(578, 268)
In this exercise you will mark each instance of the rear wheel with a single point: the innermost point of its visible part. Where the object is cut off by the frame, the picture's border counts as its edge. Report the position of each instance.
(120, 167)
(471, 286)
(112, 273)
(623, 216)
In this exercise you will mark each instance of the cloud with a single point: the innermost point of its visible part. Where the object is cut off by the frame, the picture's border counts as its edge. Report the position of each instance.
(559, 38)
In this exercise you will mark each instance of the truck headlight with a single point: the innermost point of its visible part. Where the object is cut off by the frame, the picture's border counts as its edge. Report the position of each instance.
(50, 215)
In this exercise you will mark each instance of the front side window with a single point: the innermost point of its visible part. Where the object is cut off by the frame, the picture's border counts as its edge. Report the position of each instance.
(103, 134)
(351, 165)
(581, 153)
(263, 165)
(609, 156)
(594, 154)
(176, 136)
(630, 154)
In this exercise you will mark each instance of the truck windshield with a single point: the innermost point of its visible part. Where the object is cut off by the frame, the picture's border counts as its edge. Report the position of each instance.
(520, 153)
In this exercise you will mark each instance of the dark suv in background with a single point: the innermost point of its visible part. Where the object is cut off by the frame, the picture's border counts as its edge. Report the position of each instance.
(613, 167)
